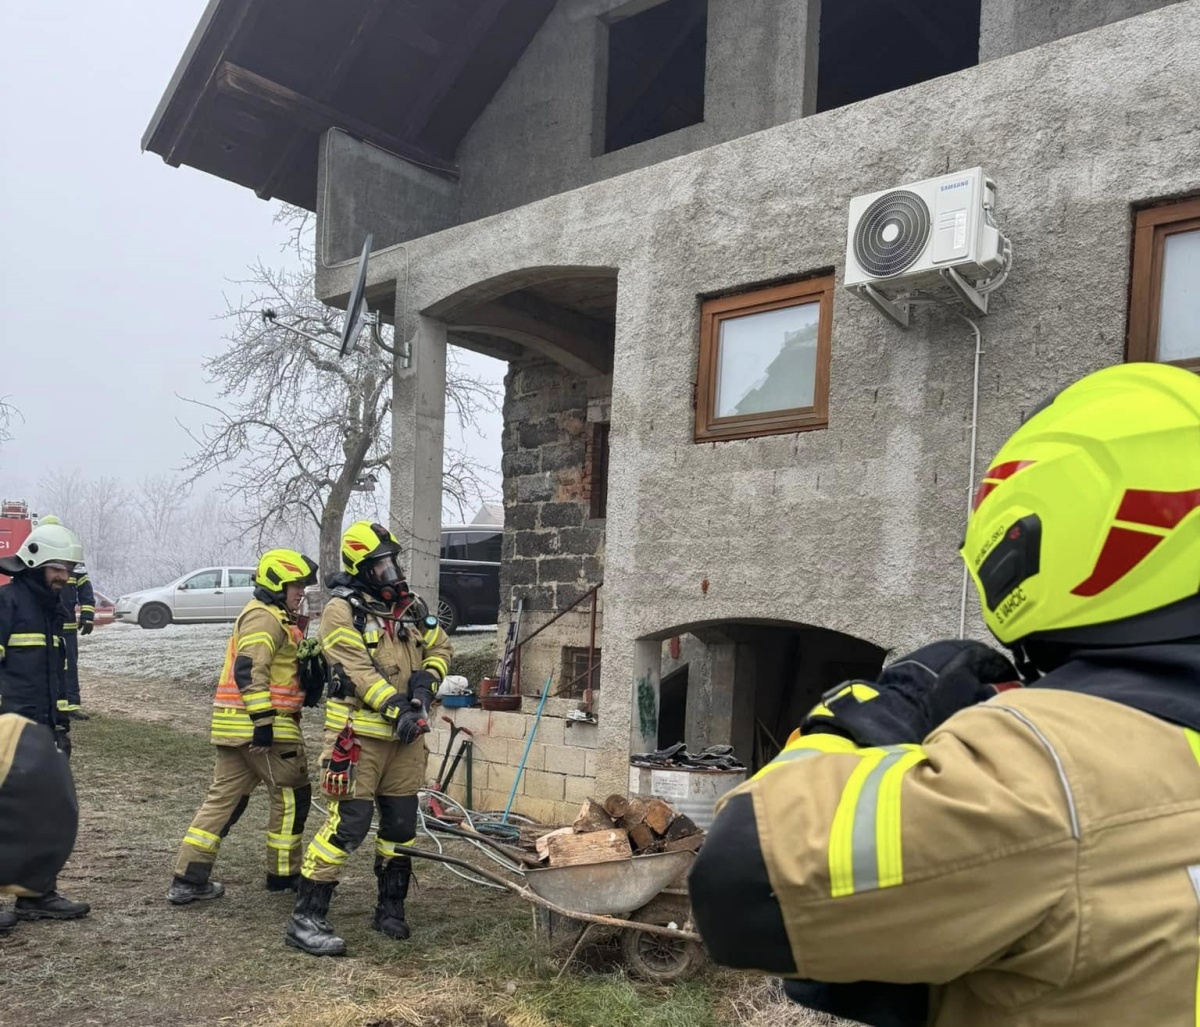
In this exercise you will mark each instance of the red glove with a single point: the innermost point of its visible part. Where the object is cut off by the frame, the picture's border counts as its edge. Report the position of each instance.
(338, 780)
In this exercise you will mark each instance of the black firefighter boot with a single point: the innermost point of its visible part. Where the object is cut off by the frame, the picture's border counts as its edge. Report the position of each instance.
(393, 877)
(50, 906)
(308, 929)
(283, 882)
(196, 887)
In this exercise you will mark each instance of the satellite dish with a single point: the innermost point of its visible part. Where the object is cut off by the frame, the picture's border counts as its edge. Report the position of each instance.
(356, 308)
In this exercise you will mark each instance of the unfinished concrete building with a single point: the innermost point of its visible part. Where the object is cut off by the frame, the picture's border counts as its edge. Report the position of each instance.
(609, 195)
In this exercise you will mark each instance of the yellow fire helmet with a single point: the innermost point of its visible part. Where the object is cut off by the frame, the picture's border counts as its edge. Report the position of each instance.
(280, 567)
(365, 541)
(1086, 529)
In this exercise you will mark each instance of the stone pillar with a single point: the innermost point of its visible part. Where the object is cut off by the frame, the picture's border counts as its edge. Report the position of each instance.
(647, 673)
(418, 432)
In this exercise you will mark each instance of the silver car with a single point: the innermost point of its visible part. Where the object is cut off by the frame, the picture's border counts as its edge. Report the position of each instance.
(212, 594)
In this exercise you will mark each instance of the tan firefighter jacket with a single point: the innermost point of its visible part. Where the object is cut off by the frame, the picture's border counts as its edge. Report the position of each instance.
(376, 659)
(1036, 859)
(259, 681)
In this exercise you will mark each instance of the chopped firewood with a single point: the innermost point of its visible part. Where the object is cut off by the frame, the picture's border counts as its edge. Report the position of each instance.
(616, 806)
(592, 817)
(641, 837)
(658, 816)
(635, 814)
(690, 843)
(681, 827)
(543, 843)
(595, 847)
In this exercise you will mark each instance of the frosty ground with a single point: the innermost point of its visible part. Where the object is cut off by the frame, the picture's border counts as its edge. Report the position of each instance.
(142, 765)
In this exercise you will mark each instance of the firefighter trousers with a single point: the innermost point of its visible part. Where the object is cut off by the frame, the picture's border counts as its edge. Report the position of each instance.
(284, 770)
(71, 639)
(388, 775)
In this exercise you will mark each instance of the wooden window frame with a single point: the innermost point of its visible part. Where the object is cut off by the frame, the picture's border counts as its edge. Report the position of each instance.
(1151, 229)
(710, 428)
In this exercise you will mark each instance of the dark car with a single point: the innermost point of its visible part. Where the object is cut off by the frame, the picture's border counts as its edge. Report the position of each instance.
(469, 583)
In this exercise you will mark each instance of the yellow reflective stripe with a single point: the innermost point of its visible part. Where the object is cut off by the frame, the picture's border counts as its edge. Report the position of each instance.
(83, 580)
(336, 716)
(286, 730)
(371, 637)
(257, 702)
(343, 636)
(388, 849)
(437, 663)
(282, 841)
(87, 609)
(858, 689)
(430, 638)
(328, 851)
(63, 705)
(204, 840)
(257, 638)
(802, 746)
(2, 651)
(27, 638)
(1193, 738)
(855, 859)
(70, 625)
(379, 694)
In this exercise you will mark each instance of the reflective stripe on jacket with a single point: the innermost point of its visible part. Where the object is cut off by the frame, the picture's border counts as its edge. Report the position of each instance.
(260, 682)
(378, 661)
(1036, 859)
(32, 651)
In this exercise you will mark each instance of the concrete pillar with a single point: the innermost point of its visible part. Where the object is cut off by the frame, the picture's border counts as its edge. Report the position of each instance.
(647, 675)
(723, 664)
(745, 687)
(418, 432)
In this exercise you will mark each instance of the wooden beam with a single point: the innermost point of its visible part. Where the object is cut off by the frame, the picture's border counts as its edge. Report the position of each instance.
(329, 83)
(242, 84)
(473, 33)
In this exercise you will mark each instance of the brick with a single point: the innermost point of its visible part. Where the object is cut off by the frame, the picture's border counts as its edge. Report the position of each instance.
(534, 488)
(550, 730)
(538, 598)
(486, 749)
(520, 571)
(535, 434)
(565, 759)
(560, 456)
(592, 763)
(508, 725)
(534, 544)
(544, 811)
(578, 789)
(559, 568)
(521, 461)
(516, 749)
(541, 785)
(501, 778)
(475, 720)
(521, 517)
(583, 541)
(583, 736)
(562, 515)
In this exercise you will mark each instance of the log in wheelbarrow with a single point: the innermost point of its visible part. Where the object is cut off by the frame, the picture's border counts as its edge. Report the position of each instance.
(632, 896)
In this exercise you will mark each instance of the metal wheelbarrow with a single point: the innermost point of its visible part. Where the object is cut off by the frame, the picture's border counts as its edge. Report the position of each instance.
(629, 895)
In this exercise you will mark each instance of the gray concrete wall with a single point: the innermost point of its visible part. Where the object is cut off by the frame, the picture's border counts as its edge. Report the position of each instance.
(1009, 26)
(852, 528)
(536, 137)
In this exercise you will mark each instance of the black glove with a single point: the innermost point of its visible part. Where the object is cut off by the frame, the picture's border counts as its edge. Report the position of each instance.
(85, 626)
(409, 719)
(421, 685)
(62, 742)
(913, 695)
(263, 736)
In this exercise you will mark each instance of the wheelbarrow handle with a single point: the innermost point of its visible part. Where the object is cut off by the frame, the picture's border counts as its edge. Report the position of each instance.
(530, 896)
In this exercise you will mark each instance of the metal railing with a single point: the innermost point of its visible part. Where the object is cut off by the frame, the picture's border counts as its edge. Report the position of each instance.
(593, 657)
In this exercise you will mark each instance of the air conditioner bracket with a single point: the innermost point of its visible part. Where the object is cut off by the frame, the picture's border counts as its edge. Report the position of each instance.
(971, 296)
(897, 310)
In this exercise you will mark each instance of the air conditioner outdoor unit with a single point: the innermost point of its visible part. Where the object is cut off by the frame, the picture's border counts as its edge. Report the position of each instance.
(927, 237)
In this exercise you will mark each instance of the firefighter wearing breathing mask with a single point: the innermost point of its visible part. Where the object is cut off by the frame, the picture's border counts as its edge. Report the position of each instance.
(1030, 856)
(386, 657)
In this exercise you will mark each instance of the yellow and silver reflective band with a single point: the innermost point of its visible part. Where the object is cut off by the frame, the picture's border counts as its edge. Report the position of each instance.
(343, 636)
(1193, 738)
(285, 729)
(83, 579)
(257, 702)
(257, 638)
(859, 690)
(439, 665)
(803, 746)
(206, 841)
(87, 609)
(389, 850)
(231, 723)
(431, 637)
(2, 652)
(283, 841)
(336, 715)
(327, 852)
(371, 638)
(379, 694)
(70, 625)
(28, 638)
(66, 706)
(865, 851)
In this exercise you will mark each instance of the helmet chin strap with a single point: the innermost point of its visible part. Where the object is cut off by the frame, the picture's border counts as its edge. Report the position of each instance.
(1025, 666)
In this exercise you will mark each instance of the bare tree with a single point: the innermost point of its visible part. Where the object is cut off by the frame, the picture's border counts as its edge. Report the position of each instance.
(8, 413)
(298, 432)
(98, 511)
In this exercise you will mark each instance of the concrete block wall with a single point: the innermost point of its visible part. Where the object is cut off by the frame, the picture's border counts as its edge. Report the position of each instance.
(560, 770)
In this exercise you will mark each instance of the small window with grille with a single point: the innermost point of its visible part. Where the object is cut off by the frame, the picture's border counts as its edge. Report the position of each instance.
(575, 671)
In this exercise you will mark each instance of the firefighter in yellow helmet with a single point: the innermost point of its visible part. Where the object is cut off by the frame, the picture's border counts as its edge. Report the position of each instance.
(386, 657)
(1031, 855)
(266, 679)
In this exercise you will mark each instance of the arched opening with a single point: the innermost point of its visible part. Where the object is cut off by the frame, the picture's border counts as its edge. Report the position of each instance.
(745, 683)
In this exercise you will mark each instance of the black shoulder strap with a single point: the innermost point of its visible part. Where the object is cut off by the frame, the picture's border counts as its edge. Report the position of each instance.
(357, 610)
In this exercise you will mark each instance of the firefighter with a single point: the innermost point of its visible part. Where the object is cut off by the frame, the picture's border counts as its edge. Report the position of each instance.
(77, 592)
(386, 657)
(256, 732)
(31, 672)
(1034, 856)
(39, 815)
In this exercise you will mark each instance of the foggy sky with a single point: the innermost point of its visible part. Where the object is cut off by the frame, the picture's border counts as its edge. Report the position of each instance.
(114, 265)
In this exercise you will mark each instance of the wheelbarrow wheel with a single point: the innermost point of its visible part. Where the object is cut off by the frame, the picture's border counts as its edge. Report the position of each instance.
(657, 959)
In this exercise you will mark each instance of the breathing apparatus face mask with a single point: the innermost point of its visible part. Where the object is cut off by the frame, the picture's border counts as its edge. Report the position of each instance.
(386, 579)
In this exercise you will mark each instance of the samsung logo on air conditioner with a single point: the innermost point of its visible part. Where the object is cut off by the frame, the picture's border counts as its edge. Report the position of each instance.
(955, 185)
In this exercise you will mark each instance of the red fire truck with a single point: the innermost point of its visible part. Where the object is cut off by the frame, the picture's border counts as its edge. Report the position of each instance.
(15, 523)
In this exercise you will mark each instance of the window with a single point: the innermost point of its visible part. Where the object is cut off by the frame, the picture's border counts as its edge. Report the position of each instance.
(596, 471)
(655, 80)
(240, 577)
(764, 361)
(869, 47)
(484, 546)
(454, 545)
(1164, 301)
(205, 579)
(575, 671)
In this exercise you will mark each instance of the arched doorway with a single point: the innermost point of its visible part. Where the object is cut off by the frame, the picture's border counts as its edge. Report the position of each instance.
(745, 683)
